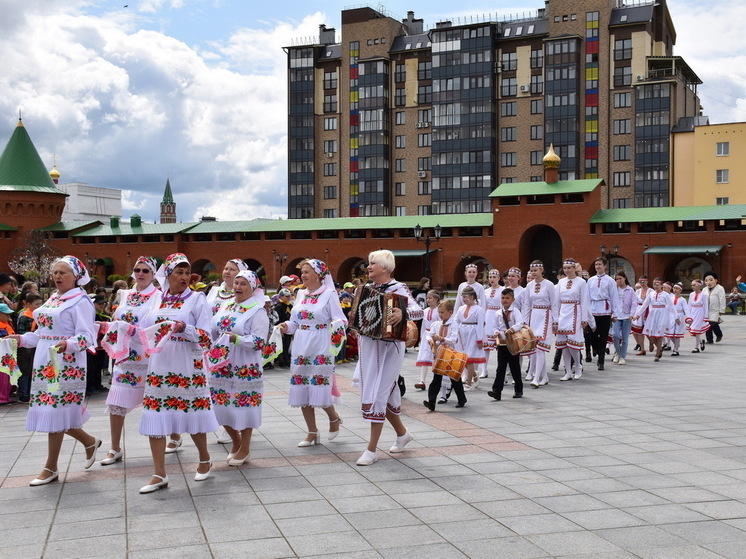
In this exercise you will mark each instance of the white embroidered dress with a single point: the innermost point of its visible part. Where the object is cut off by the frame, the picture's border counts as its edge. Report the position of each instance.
(574, 309)
(217, 297)
(539, 305)
(492, 296)
(661, 315)
(425, 353)
(698, 312)
(469, 322)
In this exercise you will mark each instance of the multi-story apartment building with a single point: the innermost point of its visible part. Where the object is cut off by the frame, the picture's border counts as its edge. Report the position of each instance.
(397, 120)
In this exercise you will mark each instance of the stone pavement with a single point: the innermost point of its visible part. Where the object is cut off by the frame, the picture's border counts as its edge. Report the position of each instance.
(645, 460)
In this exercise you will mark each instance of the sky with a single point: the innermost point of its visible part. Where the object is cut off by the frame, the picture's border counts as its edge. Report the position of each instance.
(127, 94)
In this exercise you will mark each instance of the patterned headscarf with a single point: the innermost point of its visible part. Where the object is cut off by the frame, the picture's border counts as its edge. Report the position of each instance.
(168, 266)
(322, 270)
(240, 264)
(78, 268)
(255, 284)
(148, 261)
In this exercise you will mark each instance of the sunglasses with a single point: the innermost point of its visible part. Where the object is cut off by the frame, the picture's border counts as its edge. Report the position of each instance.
(141, 270)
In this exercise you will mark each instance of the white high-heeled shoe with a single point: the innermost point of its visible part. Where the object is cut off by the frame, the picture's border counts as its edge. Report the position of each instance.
(155, 486)
(239, 462)
(89, 461)
(177, 442)
(202, 477)
(316, 440)
(333, 434)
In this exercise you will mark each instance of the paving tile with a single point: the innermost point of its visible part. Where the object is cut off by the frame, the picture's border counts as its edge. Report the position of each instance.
(539, 524)
(322, 543)
(573, 542)
(269, 548)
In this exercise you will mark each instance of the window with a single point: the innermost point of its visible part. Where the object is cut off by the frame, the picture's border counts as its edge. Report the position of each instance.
(329, 213)
(508, 109)
(723, 148)
(537, 84)
(330, 103)
(722, 175)
(537, 132)
(622, 153)
(622, 76)
(508, 134)
(537, 58)
(509, 87)
(400, 189)
(424, 187)
(424, 210)
(401, 210)
(424, 115)
(330, 123)
(622, 99)
(424, 140)
(401, 117)
(623, 126)
(424, 70)
(400, 73)
(508, 159)
(537, 106)
(424, 163)
(622, 178)
(330, 146)
(510, 61)
(536, 157)
(330, 192)
(330, 169)
(623, 49)
(425, 94)
(621, 203)
(722, 201)
(400, 97)
(400, 142)
(401, 165)
(330, 80)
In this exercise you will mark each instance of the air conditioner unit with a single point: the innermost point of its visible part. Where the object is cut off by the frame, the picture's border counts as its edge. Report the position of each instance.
(423, 124)
(329, 154)
(418, 125)
(525, 88)
(640, 78)
(422, 174)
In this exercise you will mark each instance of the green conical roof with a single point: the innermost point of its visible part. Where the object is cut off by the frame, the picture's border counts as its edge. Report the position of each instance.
(21, 168)
(168, 198)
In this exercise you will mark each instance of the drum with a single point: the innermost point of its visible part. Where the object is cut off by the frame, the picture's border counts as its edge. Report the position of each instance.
(449, 362)
(522, 341)
(413, 334)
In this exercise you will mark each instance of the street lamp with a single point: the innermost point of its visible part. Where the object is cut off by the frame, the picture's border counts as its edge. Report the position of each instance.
(437, 230)
(279, 259)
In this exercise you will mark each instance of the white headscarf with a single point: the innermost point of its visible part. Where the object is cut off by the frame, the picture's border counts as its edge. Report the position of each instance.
(167, 268)
(78, 268)
(325, 275)
(254, 282)
(148, 261)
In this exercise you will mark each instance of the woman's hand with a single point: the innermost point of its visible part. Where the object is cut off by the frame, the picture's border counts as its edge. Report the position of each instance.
(15, 337)
(179, 327)
(283, 327)
(61, 346)
(233, 338)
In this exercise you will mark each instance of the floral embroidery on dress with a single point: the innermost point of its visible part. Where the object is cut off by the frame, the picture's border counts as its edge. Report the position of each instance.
(72, 373)
(217, 353)
(319, 380)
(248, 371)
(129, 378)
(112, 337)
(134, 356)
(45, 399)
(8, 361)
(135, 299)
(227, 323)
(54, 302)
(46, 372)
(247, 399)
(175, 305)
(198, 364)
(318, 360)
(199, 380)
(82, 343)
(220, 397)
(176, 403)
(306, 315)
(155, 381)
(153, 404)
(68, 358)
(45, 321)
(201, 404)
(311, 299)
(222, 372)
(298, 380)
(177, 380)
(130, 317)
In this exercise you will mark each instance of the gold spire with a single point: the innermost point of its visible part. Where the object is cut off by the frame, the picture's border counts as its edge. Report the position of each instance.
(54, 173)
(551, 159)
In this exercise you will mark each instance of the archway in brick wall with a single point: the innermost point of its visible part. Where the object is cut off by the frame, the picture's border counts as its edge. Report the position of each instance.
(542, 242)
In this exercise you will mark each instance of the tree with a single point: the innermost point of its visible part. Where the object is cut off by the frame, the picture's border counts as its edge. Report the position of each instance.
(35, 257)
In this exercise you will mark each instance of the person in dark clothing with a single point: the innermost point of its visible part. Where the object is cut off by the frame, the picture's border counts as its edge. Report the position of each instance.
(98, 361)
(283, 307)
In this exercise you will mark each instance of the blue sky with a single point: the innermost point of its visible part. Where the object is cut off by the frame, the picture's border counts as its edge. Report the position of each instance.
(194, 90)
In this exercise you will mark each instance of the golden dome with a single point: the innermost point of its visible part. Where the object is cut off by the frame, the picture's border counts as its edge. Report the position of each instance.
(551, 159)
(54, 173)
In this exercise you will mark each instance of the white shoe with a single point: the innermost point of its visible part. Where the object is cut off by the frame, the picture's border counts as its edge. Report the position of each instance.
(176, 442)
(401, 442)
(89, 461)
(38, 481)
(316, 440)
(333, 434)
(567, 376)
(528, 378)
(202, 477)
(367, 458)
(534, 385)
(116, 456)
(507, 379)
(615, 359)
(483, 374)
(543, 382)
(155, 486)
(578, 374)
(225, 438)
(621, 361)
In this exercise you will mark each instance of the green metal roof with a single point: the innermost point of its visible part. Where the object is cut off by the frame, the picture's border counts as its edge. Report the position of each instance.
(71, 225)
(126, 229)
(692, 249)
(413, 252)
(4, 227)
(680, 213)
(21, 168)
(391, 222)
(541, 188)
(224, 226)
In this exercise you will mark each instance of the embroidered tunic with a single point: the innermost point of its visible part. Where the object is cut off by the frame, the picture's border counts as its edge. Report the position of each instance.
(492, 296)
(59, 407)
(177, 398)
(698, 312)
(682, 312)
(539, 304)
(469, 321)
(217, 296)
(639, 324)
(425, 353)
(316, 317)
(661, 315)
(574, 309)
(236, 387)
(478, 288)
(128, 377)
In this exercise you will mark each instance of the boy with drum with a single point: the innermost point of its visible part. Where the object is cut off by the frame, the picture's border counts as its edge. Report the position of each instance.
(509, 318)
(445, 332)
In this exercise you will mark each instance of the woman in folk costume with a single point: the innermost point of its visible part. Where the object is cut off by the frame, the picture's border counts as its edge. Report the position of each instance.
(660, 318)
(130, 370)
(425, 354)
(493, 305)
(697, 323)
(224, 292)
(469, 321)
(317, 324)
(676, 332)
(638, 323)
(240, 329)
(65, 331)
(177, 398)
(470, 272)
(540, 307)
(380, 363)
(574, 315)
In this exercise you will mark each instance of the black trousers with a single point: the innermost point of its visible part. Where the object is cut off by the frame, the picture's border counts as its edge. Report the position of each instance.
(434, 388)
(601, 335)
(714, 330)
(506, 359)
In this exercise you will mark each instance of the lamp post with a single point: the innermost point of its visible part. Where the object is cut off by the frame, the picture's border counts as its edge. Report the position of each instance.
(427, 240)
(279, 260)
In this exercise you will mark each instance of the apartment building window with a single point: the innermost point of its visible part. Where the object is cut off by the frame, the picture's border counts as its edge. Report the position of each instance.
(400, 165)
(537, 58)
(425, 94)
(424, 140)
(400, 142)
(536, 157)
(424, 115)
(508, 134)
(330, 123)
(622, 76)
(622, 178)
(424, 210)
(507, 180)
(622, 99)
(621, 203)
(537, 132)
(510, 61)
(401, 210)
(536, 178)
(400, 73)
(330, 169)
(509, 87)
(400, 189)
(537, 106)
(508, 159)
(508, 109)
(622, 153)
(401, 117)
(400, 97)
(330, 103)
(623, 126)
(652, 118)
(424, 163)
(330, 213)
(424, 187)
(623, 49)
(330, 192)
(722, 201)
(537, 84)
(424, 70)
(723, 148)
(330, 146)
(330, 80)
(722, 175)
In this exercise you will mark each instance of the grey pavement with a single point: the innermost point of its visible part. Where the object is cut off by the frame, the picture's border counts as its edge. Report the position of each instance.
(646, 460)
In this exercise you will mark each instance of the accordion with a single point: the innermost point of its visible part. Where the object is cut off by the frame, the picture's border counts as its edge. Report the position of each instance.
(370, 314)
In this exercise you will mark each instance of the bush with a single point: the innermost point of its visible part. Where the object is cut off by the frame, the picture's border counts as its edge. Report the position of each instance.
(115, 277)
